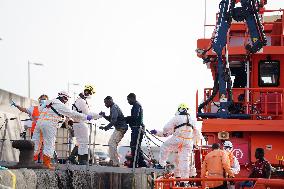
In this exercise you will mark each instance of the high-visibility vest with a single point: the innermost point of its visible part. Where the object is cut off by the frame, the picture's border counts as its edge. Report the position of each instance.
(35, 116)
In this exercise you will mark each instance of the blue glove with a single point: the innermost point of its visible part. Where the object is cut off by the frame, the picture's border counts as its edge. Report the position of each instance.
(13, 103)
(153, 132)
(90, 117)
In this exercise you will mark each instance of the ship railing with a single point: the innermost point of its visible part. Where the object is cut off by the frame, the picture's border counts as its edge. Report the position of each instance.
(199, 183)
(260, 103)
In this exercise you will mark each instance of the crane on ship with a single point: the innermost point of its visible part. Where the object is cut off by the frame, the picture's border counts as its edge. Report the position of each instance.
(248, 12)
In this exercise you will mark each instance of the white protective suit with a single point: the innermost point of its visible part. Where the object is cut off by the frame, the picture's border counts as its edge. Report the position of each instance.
(81, 129)
(182, 141)
(49, 122)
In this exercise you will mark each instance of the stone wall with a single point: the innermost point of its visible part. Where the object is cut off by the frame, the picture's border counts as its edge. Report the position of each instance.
(77, 177)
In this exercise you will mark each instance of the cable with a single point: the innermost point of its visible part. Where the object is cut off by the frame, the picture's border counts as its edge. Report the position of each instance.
(154, 136)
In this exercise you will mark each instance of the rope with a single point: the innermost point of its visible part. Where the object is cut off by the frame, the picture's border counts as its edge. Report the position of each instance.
(14, 178)
(151, 140)
(154, 136)
(151, 155)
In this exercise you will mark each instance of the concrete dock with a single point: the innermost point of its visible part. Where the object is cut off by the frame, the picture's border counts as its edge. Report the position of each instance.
(76, 177)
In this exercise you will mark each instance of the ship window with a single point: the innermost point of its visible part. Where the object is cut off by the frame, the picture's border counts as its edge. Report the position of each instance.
(269, 73)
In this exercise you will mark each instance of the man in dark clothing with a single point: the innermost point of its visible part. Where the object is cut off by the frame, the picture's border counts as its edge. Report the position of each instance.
(116, 119)
(135, 122)
(261, 168)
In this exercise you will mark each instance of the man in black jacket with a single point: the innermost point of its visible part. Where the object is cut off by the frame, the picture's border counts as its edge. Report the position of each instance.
(135, 122)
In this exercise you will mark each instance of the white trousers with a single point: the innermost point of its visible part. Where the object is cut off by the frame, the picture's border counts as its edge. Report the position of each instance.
(184, 151)
(82, 132)
(49, 132)
(113, 143)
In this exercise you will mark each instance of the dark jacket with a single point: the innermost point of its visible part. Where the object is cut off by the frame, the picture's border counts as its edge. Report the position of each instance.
(136, 118)
(116, 118)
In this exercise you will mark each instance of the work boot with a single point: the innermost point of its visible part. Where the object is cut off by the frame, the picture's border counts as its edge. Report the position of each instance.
(83, 159)
(47, 162)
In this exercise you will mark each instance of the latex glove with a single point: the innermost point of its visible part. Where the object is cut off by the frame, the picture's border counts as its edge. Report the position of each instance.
(153, 132)
(13, 103)
(90, 117)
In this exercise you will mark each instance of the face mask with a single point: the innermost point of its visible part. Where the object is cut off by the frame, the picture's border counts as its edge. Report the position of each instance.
(42, 102)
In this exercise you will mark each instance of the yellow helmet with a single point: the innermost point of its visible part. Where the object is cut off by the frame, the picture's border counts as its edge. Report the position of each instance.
(182, 107)
(90, 88)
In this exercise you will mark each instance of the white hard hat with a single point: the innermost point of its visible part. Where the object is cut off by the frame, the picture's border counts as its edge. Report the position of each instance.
(228, 144)
(63, 94)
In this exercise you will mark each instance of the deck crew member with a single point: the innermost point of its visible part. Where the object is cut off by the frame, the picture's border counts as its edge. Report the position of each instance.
(50, 119)
(81, 129)
(182, 128)
(216, 164)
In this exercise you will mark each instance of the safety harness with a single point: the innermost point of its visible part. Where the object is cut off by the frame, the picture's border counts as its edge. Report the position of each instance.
(184, 124)
(74, 107)
(54, 110)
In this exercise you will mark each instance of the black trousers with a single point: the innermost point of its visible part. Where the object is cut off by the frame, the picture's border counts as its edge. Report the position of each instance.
(140, 162)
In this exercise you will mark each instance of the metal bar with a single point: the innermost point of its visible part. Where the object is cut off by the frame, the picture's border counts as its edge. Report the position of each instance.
(5, 132)
(205, 12)
(89, 149)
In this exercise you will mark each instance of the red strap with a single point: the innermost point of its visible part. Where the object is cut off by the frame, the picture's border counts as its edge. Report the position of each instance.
(35, 116)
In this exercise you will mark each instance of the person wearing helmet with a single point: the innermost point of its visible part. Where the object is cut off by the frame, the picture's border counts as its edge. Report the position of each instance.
(50, 119)
(182, 129)
(228, 148)
(234, 163)
(81, 129)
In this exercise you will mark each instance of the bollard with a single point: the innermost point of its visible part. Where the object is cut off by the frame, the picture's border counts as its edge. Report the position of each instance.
(26, 158)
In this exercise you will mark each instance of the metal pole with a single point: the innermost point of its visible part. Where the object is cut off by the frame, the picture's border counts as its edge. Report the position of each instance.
(4, 137)
(29, 80)
(205, 10)
(89, 150)
(94, 145)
